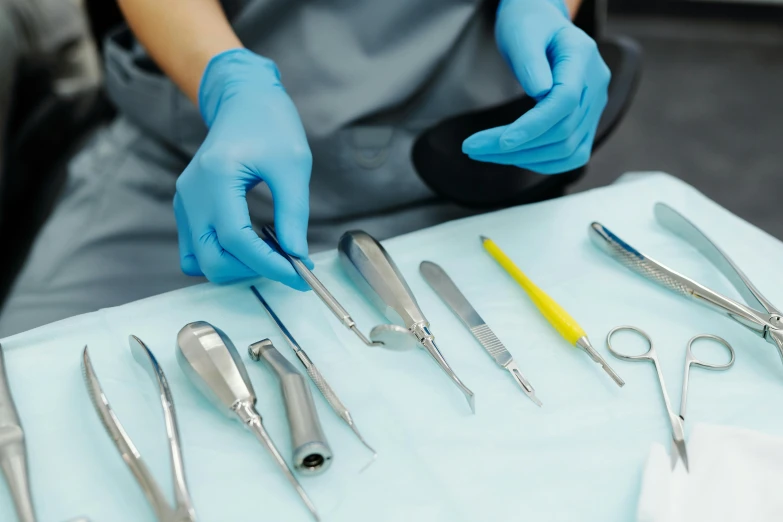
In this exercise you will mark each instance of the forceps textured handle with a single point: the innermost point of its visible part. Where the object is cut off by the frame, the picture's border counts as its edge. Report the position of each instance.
(647, 267)
(681, 226)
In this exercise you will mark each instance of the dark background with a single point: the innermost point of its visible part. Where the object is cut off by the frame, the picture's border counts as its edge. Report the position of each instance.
(709, 108)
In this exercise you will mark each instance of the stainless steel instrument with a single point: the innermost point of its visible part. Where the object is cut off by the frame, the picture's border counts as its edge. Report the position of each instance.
(211, 362)
(678, 430)
(311, 453)
(678, 450)
(368, 264)
(767, 323)
(692, 360)
(182, 511)
(328, 393)
(13, 453)
(318, 287)
(448, 291)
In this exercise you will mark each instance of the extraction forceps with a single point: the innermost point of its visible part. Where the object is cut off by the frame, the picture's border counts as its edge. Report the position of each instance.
(211, 362)
(767, 323)
(183, 510)
(318, 287)
(678, 431)
(443, 285)
(373, 271)
(328, 393)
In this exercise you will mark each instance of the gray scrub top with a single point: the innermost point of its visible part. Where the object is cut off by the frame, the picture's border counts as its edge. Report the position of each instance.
(367, 76)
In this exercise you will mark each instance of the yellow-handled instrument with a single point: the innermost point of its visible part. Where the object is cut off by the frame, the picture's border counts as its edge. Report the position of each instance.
(565, 325)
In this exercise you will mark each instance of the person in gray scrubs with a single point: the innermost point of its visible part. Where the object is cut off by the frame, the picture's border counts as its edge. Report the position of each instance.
(298, 113)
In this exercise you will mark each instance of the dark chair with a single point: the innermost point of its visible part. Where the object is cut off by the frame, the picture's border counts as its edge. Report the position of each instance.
(44, 130)
(437, 153)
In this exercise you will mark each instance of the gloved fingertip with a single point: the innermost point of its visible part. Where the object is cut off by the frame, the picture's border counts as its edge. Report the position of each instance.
(308, 262)
(512, 139)
(473, 144)
(189, 266)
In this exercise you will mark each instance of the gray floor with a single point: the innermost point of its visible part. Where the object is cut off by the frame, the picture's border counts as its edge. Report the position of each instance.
(709, 110)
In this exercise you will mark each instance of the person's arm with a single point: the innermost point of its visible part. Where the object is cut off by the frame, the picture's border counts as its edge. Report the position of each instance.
(573, 7)
(181, 36)
(255, 135)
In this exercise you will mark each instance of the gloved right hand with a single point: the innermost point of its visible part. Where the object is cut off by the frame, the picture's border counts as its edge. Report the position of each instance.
(255, 135)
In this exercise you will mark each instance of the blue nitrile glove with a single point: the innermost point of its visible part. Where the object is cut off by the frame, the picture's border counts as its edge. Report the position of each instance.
(254, 135)
(559, 65)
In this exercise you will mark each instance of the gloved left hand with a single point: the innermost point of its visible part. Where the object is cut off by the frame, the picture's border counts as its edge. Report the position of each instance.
(559, 65)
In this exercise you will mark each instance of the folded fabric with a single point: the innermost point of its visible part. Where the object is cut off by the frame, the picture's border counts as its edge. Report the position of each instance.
(735, 476)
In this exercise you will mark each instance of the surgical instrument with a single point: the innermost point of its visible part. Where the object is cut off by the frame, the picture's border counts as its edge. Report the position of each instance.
(565, 325)
(318, 287)
(373, 271)
(211, 362)
(183, 507)
(768, 323)
(443, 285)
(691, 359)
(311, 453)
(328, 393)
(678, 431)
(13, 451)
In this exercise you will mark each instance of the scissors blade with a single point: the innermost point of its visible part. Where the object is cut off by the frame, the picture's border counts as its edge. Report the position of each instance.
(678, 439)
(678, 452)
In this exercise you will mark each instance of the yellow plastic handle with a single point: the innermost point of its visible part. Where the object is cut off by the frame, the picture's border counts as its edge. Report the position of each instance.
(553, 312)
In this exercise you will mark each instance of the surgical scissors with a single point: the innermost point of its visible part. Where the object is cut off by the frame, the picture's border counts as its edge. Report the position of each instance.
(691, 360)
(677, 421)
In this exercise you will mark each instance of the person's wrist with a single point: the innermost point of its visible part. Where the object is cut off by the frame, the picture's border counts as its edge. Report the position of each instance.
(232, 67)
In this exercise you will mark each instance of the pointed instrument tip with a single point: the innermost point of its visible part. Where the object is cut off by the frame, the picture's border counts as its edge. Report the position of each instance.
(678, 452)
(484, 238)
(471, 401)
(535, 400)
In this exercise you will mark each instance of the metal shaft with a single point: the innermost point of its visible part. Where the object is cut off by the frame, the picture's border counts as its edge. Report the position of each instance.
(318, 288)
(428, 342)
(248, 414)
(312, 371)
(212, 363)
(584, 344)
